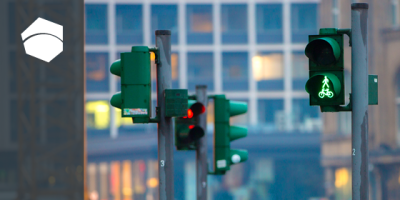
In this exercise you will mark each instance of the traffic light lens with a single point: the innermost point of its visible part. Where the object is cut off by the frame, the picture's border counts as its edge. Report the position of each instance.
(191, 126)
(197, 109)
(323, 51)
(324, 86)
(325, 91)
(190, 113)
(323, 54)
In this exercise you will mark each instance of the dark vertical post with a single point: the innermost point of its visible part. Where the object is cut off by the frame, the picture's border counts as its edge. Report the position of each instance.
(201, 151)
(359, 88)
(165, 129)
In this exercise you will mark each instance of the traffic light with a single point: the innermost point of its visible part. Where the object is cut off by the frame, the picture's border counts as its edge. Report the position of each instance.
(187, 130)
(224, 156)
(134, 69)
(326, 64)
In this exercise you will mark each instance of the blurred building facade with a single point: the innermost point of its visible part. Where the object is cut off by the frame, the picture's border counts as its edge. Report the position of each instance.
(250, 50)
(384, 120)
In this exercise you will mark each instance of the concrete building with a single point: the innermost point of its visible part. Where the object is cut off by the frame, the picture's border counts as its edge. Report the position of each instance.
(384, 120)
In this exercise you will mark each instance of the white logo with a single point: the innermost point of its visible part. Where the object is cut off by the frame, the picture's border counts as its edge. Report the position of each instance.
(43, 39)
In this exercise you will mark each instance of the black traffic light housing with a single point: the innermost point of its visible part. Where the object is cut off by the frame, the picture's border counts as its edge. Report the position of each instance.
(187, 131)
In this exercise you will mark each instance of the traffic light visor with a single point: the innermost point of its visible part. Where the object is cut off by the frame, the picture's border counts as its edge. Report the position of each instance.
(116, 100)
(116, 67)
(323, 51)
(237, 108)
(324, 86)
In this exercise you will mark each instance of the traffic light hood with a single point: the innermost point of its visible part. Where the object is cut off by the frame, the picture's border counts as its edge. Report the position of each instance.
(116, 100)
(237, 108)
(116, 67)
(323, 51)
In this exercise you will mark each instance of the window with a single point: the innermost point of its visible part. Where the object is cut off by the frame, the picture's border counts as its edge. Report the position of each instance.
(234, 24)
(395, 12)
(269, 23)
(96, 24)
(175, 70)
(306, 118)
(98, 118)
(97, 72)
(199, 24)
(271, 114)
(343, 183)
(165, 17)
(335, 13)
(235, 71)
(129, 24)
(200, 70)
(268, 70)
(299, 70)
(304, 21)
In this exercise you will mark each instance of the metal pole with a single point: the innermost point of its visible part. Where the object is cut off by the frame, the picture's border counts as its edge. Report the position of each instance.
(359, 89)
(165, 129)
(201, 151)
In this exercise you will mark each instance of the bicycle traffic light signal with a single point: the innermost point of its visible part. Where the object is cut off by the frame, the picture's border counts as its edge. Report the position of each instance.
(187, 130)
(326, 64)
(224, 156)
(134, 69)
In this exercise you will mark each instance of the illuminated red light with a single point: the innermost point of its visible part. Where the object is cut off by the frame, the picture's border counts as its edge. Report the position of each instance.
(190, 113)
(191, 126)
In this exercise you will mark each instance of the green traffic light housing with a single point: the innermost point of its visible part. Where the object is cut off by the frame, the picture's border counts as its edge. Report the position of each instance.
(326, 65)
(224, 133)
(134, 100)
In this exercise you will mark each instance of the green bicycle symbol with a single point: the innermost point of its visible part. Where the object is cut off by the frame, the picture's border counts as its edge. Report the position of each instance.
(325, 89)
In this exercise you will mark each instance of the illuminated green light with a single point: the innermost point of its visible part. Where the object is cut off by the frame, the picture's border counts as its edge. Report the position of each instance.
(325, 92)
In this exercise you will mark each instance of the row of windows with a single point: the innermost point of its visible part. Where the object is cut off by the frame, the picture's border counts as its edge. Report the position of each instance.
(267, 70)
(271, 117)
(199, 23)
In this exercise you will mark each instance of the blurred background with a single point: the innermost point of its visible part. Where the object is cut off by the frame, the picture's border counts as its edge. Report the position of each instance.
(250, 50)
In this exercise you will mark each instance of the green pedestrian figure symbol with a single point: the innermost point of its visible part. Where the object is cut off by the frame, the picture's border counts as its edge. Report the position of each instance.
(325, 89)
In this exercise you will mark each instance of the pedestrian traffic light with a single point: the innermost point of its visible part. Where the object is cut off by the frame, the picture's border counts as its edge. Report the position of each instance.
(224, 156)
(187, 129)
(326, 64)
(134, 69)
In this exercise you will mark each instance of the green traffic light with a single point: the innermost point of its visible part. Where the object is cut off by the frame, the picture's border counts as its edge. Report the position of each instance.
(326, 65)
(224, 133)
(325, 89)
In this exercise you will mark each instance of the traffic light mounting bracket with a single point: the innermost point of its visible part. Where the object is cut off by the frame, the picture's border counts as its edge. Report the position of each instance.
(337, 108)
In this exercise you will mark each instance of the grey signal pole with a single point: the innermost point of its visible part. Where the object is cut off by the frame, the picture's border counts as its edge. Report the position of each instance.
(359, 89)
(201, 151)
(165, 129)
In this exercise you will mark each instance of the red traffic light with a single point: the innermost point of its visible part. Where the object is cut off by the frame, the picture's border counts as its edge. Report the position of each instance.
(197, 109)
(190, 113)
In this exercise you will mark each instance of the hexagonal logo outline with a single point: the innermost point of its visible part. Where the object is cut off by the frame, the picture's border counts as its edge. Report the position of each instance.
(43, 39)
